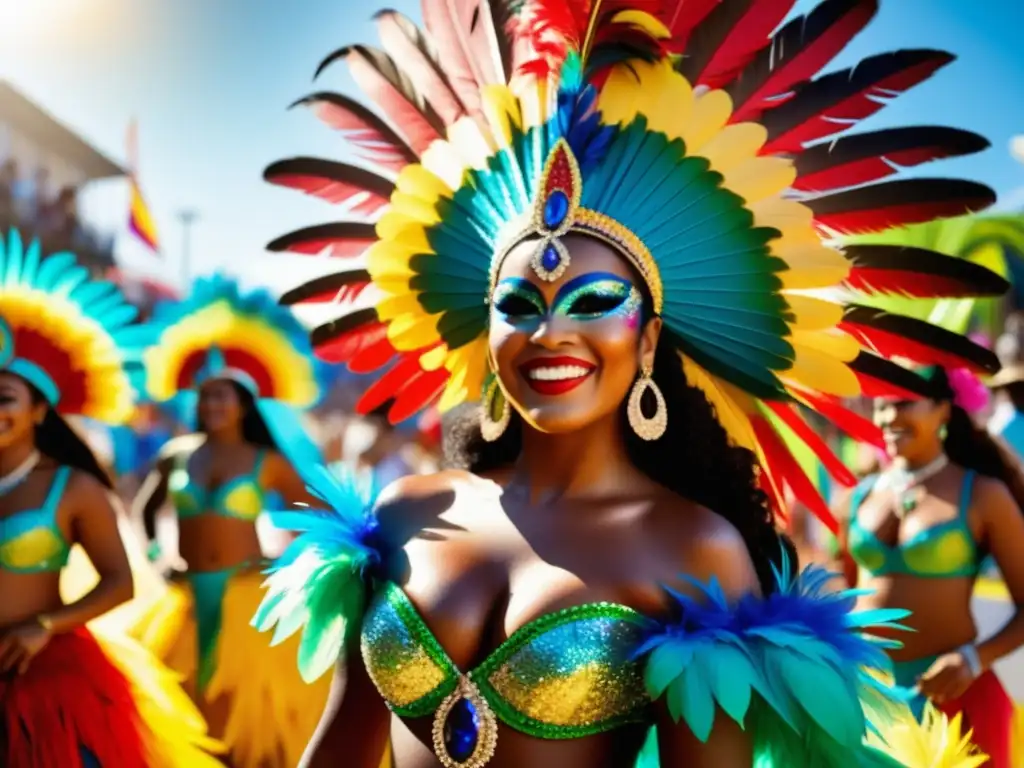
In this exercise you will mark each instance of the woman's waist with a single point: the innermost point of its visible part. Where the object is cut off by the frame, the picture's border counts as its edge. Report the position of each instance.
(27, 595)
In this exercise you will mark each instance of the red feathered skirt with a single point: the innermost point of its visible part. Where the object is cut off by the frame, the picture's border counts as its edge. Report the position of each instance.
(71, 708)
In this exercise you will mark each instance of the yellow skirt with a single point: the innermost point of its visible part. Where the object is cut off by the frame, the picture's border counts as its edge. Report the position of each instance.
(266, 713)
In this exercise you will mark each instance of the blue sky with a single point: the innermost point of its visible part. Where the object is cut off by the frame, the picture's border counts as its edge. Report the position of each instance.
(210, 80)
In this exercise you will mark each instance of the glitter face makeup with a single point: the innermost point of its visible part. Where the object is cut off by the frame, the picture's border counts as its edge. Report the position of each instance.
(593, 296)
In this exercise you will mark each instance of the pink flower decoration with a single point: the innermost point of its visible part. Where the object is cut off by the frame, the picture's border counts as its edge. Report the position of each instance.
(968, 391)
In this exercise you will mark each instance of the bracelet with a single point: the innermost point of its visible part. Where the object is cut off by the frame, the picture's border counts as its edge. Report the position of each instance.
(970, 654)
(45, 622)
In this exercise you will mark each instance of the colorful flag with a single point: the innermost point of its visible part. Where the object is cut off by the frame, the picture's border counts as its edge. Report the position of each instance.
(140, 221)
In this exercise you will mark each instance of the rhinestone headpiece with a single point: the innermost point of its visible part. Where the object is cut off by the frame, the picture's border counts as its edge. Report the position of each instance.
(556, 212)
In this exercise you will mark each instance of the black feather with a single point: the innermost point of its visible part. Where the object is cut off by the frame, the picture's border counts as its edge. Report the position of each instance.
(340, 231)
(327, 332)
(321, 285)
(896, 375)
(976, 280)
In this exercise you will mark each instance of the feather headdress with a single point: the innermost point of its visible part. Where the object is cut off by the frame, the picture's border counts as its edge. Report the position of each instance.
(695, 139)
(68, 335)
(221, 332)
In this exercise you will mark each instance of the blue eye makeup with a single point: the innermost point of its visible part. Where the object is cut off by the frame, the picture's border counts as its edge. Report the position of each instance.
(516, 298)
(598, 295)
(593, 296)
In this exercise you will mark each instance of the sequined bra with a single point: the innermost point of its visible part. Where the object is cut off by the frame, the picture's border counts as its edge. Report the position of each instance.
(30, 540)
(566, 674)
(947, 550)
(240, 497)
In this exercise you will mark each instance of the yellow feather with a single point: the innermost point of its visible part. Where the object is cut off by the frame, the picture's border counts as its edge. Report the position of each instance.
(816, 370)
(644, 21)
(455, 391)
(413, 331)
(729, 413)
(533, 99)
(417, 181)
(655, 90)
(813, 314)
(811, 264)
(386, 258)
(402, 304)
(734, 145)
(839, 344)
(711, 111)
(502, 112)
(416, 208)
(434, 359)
(760, 178)
(783, 215)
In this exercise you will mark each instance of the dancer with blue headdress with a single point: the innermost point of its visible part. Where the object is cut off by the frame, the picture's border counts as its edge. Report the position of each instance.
(228, 354)
(74, 691)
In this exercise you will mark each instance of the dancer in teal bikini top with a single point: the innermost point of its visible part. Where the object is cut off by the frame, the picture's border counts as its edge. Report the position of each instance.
(920, 536)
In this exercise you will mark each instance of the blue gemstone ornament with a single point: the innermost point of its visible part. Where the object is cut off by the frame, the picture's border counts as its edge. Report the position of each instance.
(461, 730)
(551, 258)
(556, 208)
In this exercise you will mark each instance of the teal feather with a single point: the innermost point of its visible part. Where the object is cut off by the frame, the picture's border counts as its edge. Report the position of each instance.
(70, 279)
(461, 326)
(53, 266)
(16, 259)
(318, 585)
(793, 668)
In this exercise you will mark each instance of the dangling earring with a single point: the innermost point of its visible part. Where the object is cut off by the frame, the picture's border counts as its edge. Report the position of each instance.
(943, 432)
(495, 413)
(647, 428)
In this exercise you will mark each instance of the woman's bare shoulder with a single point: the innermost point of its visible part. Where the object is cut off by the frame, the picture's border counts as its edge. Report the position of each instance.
(417, 501)
(703, 545)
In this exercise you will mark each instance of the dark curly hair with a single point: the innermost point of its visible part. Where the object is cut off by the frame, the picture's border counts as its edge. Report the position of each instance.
(56, 439)
(694, 459)
(969, 446)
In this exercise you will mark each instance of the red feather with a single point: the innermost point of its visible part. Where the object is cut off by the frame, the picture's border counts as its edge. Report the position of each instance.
(918, 272)
(853, 424)
(342, 339)
(729, 37)
(883, 378)
(837, 101)
(421, 391)
(683, 16)
(797, 52)
(890, 335)
(898, 203)
(387, 386)
(336, 183)
(335, 289)
(813, 440)
(373, 356)
(343, 239)
(371, 136)
(854, 160)
(787, 468)
(391, 90)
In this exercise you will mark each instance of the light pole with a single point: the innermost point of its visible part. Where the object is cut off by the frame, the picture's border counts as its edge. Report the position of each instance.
(187, 217)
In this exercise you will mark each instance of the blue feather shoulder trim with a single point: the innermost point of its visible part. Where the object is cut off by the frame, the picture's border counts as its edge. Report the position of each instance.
(319, 584)
(798, 665)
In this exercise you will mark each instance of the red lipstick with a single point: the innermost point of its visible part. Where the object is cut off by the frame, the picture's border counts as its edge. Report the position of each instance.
(565, 381)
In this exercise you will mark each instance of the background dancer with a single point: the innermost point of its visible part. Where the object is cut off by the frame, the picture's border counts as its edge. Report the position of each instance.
(233, 351)
(67, 697)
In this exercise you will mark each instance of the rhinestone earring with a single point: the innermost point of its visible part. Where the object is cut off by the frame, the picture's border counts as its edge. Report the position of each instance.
(495, 411)
(647, 428)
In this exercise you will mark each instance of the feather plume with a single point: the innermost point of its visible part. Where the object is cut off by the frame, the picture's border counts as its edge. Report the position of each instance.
(920, 273)
(788, 415)
(835, 102)
(798, 52)
(413, 55)
(854, 160)
(343, 338)
(726, 41)
(879, 377)
(338, 183)
(853, 424)
(471, 54)
(343, 239)
(683, 16)
(380, 79)
(372, 138)
(891, 335)
(339, 287)
(898, 203)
